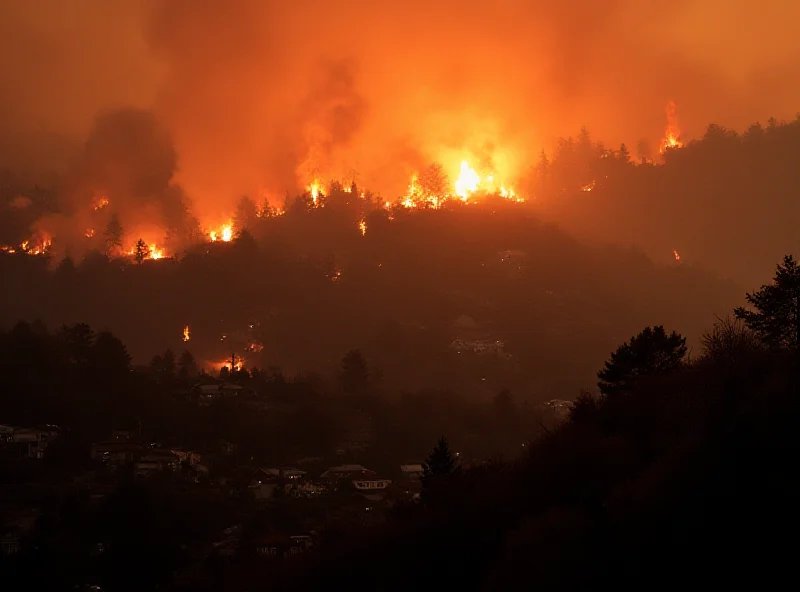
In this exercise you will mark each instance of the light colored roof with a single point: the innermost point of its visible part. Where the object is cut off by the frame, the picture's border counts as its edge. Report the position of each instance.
(413, 468)
(343, 470)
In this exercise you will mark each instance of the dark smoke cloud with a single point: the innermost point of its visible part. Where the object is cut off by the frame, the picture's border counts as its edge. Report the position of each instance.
(256, 93)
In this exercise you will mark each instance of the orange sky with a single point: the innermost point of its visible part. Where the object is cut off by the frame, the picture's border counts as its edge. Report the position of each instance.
(258, 93)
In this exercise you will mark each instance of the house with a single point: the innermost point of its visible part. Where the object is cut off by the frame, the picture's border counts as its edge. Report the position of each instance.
(277, 545)
(286, 474)
(10, 542)
(156, 461)
(115, 453)
(272, 544)
(369, 482)
(256, 482)
(187, 456)
(412, 472)
(27, 442)
(342, 473)
(217, 390)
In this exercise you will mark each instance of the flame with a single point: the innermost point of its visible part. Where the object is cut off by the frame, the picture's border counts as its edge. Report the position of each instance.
(676, 255)
(224, 233)
(89, 233)
(467, 182)
(348, 189)
(588, 186)
(672, 134)
(336, 276)
(156, 253)
(362, 226)
(315, 188)
(186, 334)
(99, 203)
(39, 245)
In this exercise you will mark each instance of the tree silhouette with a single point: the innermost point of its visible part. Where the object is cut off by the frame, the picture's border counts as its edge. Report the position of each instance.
(438, 469)
(168, 364)
(141, 251)
(355, 375)
(776, 319)
(650, 353)
(433, 181)
(246, 214)
(187, 367)
(111, 357)
(584, 409)
(78, 341)
(729, 340)
(441, 462)
(114, 233)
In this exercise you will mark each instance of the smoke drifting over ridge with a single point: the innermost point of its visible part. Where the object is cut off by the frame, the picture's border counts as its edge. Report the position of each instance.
(258, 95)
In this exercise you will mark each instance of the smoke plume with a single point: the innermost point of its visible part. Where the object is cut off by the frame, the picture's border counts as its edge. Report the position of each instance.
(257, 95)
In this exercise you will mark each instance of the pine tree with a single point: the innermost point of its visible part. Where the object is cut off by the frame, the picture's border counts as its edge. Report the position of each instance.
(438, 469)
(441, 462)
(776, 319)
(355, 375)
(650, 353)
(141, 251)
(114, 234)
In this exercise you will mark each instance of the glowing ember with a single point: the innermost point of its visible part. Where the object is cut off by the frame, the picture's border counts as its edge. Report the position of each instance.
(672, 135)
(89, 233)
(362, 226)
(588, 186)
(337, 275)
(676, 255)
(467, 182)
(186, 334)
(99, 203)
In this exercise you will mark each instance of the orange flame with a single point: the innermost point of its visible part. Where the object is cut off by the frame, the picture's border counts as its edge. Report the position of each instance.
(99, 203)
(676, 255)
(362, 226)
(186, 334)
(467, 182)
(224, 233)
(672, 135)
(315, 188)
(89, 233)
(156, 253)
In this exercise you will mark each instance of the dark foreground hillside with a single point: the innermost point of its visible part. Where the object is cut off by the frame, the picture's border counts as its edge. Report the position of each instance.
(689, 480)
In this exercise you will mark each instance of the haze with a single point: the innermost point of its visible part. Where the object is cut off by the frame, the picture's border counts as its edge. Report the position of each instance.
(259, 95)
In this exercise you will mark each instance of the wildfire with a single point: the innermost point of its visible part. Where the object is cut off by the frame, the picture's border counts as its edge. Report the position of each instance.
(362, 226)
(186, 334)
(99, 203)
(156, 253)
(676, 255)
(224, 233)
(38, 246)
(672, 135)
(315, 189)
(467, 185)
(467, 182)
